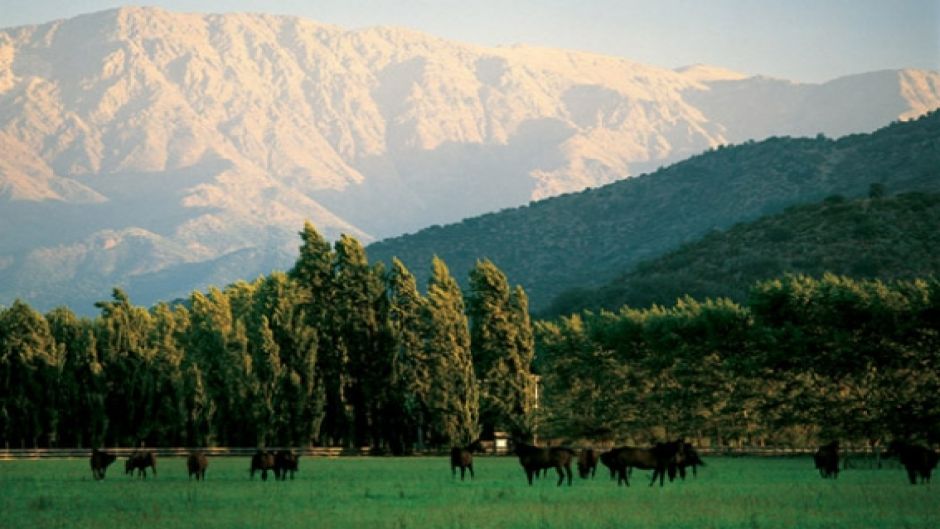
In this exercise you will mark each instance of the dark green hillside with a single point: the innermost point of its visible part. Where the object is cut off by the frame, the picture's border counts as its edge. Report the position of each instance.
(883, 238)
(586, 239)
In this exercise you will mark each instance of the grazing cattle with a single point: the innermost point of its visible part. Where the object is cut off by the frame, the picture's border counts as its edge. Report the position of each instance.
(139, 460)
(917, 460)
(661, 459)
(587, 463)
(99, 462)
(264, 461)
(463, 458)
(285, 461)
(827, 460)
(534, 458)
(687, 457)
(609, 460)
(197, 463)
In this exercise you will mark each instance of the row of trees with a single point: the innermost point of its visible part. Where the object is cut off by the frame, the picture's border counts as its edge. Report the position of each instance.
(806, 360)
(336, 352)
(346, 353)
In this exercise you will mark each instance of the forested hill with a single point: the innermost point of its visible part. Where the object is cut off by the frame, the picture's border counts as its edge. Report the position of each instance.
(587, 239)
(872, 238)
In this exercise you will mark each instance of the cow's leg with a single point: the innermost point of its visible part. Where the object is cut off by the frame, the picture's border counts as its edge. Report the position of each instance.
(528, 474)
(561, 474)
(463, 472)
(453, 470)
(568, 471)
(470, 468)
(264, 474)
(912, 475)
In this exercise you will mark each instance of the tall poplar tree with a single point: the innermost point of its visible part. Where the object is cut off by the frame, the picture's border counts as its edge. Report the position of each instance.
(409, 385)
(453, 395)
(313, 272)
(359, 307)
(501, 335)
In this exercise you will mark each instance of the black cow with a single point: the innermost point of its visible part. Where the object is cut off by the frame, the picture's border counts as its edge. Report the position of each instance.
(661, 459)
(535, 458)
(196, 464)
(100, 461)
(827, 460)
(587, 463)
(918, 460)
(462, 458)
(285, 461)
(139, 460)
(688, 457)
(264, 461)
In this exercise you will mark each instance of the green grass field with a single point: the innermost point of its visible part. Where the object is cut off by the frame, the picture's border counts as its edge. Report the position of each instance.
(419, 493)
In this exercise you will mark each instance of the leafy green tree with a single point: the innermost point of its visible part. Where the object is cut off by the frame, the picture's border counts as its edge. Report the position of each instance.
(410, 379)
(313, 272)
(30, 365)
(360, 313)
(501, 336)
(81, 391)
(218, 360)
(453, 393)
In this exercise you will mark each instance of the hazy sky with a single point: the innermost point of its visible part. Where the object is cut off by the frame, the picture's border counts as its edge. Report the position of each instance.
(805, 40)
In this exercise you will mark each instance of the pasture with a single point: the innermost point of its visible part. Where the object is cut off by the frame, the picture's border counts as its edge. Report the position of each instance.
(420, 493)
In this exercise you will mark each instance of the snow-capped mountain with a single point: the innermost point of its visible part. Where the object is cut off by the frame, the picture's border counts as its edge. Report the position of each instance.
(161, 150)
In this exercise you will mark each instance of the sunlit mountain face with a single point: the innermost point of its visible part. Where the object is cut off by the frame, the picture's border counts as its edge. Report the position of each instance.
(165, 151)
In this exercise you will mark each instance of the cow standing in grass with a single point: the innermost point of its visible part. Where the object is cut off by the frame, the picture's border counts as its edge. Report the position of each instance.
(264, 461)
(139, 460)
(285, 461)
(196, 464)
(587, 463)
(462, 458)
(917, 460)
(535, 458)
(827, 460)
(661, 459)
(100, 461)
(687, 457)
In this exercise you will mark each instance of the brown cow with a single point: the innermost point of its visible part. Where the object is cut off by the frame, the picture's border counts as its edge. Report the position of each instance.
(826, 460)
(264, 461)
(917, 460)
(661, 459)
(535, 458)
(197, 463)
(100, 461)
(463, 458)
(285, 461)
(587, 463)
(139, 460)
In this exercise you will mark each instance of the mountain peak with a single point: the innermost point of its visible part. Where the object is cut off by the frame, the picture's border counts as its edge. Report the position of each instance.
(223, 132)
(705, 73)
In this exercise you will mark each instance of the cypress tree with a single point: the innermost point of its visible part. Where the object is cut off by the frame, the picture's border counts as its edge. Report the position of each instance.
(453, 394)
(409, 385)
(501, 335)
(313, 272)
(359, 307)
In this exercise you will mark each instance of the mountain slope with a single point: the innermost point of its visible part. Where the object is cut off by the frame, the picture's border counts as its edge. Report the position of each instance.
(214, 135)
(586, 239)
(879, 238)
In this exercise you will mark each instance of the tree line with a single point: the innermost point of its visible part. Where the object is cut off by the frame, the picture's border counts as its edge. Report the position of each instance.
(805, 360)
(339, 351)
(336, 352)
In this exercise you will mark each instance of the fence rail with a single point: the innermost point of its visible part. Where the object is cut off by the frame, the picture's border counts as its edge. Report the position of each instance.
(63, 453)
